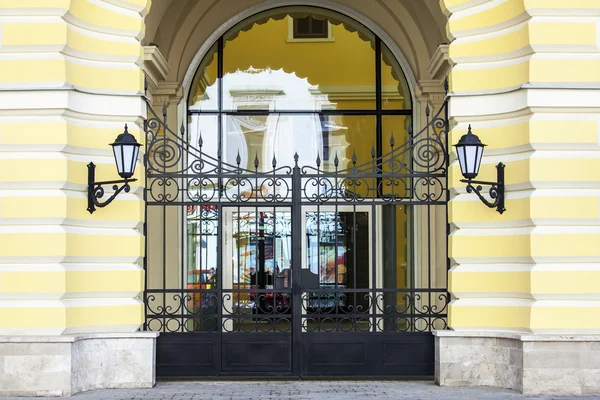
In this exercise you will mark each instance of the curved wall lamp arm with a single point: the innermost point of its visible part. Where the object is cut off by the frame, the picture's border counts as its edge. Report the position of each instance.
(96, 191)
(496, 191)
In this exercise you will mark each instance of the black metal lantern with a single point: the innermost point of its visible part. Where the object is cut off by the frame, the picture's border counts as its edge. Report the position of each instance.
(469, 150)
(126, 150)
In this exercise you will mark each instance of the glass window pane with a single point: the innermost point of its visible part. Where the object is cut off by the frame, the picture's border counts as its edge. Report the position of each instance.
(394, 241)
(202, 261)
(397, 158)
(396, 270)
(302, 25)
(338, 256)
(396, 126)
(347, 136)
(203, 134)
(318, 28)
(263, 69)
(338, 248)
(204, 93)
(394, 88)
(310, 135)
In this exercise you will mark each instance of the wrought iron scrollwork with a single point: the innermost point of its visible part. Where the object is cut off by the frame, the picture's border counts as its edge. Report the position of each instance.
(496, 191)
(96, 189)
(347, 310)
(413, 172)
(181, 173)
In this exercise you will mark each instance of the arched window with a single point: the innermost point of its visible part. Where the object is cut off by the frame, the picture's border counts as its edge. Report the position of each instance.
(298, 79)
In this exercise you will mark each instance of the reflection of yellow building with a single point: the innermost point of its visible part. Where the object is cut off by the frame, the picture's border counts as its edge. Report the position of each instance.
(523, 72)
(341, 70)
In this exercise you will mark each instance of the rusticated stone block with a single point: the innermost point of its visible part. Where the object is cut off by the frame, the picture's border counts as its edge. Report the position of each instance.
(532, 364)
(65, 365)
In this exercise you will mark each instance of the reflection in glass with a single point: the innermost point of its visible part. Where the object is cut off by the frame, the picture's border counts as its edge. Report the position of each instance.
(261, 250)
(396, 275)
(264, 69)
(275, 135)
(337, 257)
(309, 135)
(394, 88)
(396, 127)
(203, 134)
(201, 271)
(258, 272)
(203, 91)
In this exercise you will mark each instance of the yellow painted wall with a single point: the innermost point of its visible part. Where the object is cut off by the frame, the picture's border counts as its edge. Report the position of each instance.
(540, 252)
(531, 268)
(63, 270)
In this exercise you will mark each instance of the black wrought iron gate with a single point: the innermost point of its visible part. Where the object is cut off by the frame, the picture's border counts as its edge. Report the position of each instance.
(299, 268)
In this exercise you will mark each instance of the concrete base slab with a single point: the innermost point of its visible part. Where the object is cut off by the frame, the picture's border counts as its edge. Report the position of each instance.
(68, 364)
(529, 363)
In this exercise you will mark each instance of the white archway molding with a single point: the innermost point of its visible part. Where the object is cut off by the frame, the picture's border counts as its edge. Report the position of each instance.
(328, 4)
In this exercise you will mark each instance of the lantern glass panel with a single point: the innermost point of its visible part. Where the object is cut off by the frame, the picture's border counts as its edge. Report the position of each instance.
(136, 152)
(471, 158)
(128, 156)
(461, 152)
(478, 159)
(117, 150)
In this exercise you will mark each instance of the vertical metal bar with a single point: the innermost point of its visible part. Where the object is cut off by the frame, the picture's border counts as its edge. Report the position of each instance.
(261, 249)
(411, 214)
(220, 115)
(183, 266)
(219, 303)
(274, 273)
(274, 320)
(296, 268)
(412, 268)
(336, 219)
(394, 219)
(320, 295)
(374, 267)
(378, 108)
(354, 265)
(239, 263)
(184, 237)
(428, 308)
(447, 150)
(238, 241)
(260, 297)
(145, 194)
(90, 192)
(164, 220)
(198, 228)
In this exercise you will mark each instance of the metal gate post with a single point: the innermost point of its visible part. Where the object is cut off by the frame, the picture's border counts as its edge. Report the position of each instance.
(296, 267)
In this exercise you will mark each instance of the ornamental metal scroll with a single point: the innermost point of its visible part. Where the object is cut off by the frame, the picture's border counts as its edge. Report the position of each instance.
(413, 172)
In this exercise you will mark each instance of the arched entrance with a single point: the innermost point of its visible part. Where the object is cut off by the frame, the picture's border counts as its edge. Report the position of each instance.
(294, 209)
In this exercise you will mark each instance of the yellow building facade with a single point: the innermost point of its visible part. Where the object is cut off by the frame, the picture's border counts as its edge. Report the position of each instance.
(523, 306)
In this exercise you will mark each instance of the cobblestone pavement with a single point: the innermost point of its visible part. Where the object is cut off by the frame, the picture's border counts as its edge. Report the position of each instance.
(296, 390)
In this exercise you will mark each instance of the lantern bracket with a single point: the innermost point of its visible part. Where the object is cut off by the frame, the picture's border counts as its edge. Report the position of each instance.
(96, 190)
(496, 190)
